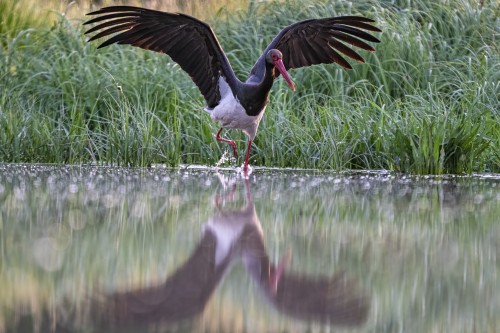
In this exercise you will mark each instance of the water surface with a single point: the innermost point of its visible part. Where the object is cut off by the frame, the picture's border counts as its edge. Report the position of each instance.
(99, 249)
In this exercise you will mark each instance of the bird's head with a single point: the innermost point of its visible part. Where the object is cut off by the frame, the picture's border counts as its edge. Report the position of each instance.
(275, 58)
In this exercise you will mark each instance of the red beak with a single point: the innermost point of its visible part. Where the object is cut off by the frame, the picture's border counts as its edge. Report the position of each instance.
(277, 272)
(281, 67)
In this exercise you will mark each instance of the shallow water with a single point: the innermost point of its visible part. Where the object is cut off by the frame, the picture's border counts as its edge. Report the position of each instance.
(94, 249)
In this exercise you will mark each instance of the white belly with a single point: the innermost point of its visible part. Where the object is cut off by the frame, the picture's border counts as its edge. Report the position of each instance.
(231, 114)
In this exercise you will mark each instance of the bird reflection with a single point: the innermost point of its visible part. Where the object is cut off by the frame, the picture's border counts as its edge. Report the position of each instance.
(182, 296)
(230, 236)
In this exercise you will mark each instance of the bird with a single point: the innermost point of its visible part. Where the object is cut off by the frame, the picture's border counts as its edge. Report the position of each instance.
(193, 45)
(231, 235)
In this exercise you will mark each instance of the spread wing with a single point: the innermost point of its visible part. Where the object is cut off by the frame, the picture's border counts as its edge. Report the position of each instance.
(189, 42)
(322, 41)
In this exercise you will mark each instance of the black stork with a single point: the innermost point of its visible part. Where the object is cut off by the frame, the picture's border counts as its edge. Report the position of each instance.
(193, 45)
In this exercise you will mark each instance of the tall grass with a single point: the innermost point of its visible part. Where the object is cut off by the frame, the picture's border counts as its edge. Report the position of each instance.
(16, 16)
(426, 102)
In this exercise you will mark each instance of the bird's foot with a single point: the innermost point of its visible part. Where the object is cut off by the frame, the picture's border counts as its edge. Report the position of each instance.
(246, 170)
(231, 142)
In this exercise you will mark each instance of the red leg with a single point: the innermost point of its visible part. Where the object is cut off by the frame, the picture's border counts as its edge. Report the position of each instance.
(231, 142)
(247, 157)
(276, 273)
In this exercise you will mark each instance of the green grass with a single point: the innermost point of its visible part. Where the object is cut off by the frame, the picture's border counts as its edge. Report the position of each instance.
(426, 102)
(16, 16)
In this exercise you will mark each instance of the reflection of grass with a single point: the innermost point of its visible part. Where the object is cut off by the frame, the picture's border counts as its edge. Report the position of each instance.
(425, 250)
(425, 102)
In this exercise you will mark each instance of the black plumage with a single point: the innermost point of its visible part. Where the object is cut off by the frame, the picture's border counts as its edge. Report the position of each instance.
(188, 41)
(193, 45)
(316, 41)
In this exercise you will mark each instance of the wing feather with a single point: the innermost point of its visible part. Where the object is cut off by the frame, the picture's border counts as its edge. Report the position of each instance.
(320, 41)
(352, 40)
(189, 42)
(345, 50)
(357, 32)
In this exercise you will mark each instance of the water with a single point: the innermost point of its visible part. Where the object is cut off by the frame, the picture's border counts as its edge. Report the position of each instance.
(87, 249)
